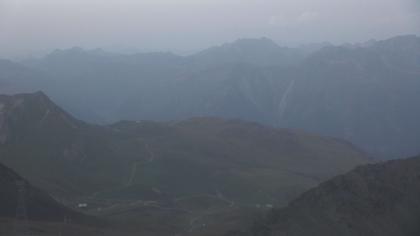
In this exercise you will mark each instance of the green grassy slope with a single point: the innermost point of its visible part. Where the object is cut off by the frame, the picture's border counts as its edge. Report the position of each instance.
(199, 167)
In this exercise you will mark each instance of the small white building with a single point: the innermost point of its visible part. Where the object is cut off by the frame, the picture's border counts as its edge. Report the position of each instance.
(269, 206)
(82, 205)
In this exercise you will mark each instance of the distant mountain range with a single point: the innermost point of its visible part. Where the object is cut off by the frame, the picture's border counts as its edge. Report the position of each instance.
(365, 93)
(380, 199)
(197, 167)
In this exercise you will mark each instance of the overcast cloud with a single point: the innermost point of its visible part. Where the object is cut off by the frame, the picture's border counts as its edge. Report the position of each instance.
(30, 26)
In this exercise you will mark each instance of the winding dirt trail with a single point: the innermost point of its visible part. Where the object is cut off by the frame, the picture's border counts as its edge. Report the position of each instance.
(151, 158)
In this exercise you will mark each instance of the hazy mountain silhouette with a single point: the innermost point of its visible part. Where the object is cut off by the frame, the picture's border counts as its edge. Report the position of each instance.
(365, 93)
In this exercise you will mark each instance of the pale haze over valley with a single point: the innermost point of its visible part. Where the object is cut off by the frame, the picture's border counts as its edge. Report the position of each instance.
(209, 117)
(183, 26)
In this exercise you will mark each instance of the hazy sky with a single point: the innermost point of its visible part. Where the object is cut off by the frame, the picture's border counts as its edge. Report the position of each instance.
(33, 25)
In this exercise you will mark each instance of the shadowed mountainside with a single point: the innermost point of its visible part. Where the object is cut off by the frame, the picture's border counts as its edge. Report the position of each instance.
(193, 172)
(34, 130)
(38, 205)
(379, 199)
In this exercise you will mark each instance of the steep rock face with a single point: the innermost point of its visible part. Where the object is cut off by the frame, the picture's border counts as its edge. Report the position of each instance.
(379, 199)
